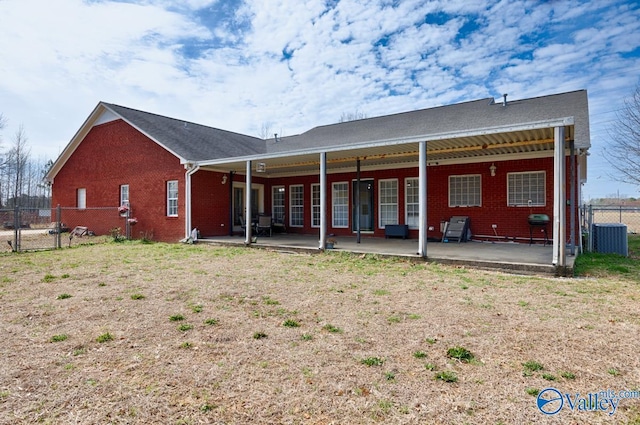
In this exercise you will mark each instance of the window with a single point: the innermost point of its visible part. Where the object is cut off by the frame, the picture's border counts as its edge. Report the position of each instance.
(296, 205)
(412, 202)
(277, 204)
(124, 194)
(315, 205)
(526, 189)
(340, 205)
(388, 202)
(81, 196)
(464, 191)
(172, 198)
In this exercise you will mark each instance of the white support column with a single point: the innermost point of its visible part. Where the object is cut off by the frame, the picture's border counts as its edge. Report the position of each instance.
(323, 200)
(422, 185)
(247, 205)
(559, 200)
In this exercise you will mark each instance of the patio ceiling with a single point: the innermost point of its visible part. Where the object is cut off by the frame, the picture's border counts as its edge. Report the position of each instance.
(481, 145)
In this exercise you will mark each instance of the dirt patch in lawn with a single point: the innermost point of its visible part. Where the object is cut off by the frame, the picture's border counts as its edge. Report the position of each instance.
(176, 334)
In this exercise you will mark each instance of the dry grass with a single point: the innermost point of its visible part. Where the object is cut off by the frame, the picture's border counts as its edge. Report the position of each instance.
(199, 336)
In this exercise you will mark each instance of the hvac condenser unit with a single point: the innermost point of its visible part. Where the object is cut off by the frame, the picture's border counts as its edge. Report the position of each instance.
(610, 238)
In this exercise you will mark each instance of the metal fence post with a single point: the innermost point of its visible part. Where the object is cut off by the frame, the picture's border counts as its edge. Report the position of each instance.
(58, 238)
(16, 229)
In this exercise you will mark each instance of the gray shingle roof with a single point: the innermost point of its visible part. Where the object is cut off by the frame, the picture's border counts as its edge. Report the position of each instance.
(476, 114)
(192, 142)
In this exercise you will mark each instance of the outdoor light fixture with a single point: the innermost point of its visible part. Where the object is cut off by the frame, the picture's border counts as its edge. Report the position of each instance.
(261, 167)
(493, 170)
(224, 179)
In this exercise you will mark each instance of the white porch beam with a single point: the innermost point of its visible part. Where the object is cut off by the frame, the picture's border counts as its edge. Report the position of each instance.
(559, 200)
(422, 199)
(247, 205)
(323, 201)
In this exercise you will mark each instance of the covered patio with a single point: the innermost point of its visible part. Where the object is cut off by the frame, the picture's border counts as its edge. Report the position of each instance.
(519, 258)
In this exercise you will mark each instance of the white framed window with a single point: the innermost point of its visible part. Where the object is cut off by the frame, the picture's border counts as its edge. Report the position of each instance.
(315, 205)
(81, 198)
(277, 204)
(296, 205)
(172, 198)
(526, 189)
(465, 191)
(340, 205)
(412, 202)
(124, 194)
(388, 202)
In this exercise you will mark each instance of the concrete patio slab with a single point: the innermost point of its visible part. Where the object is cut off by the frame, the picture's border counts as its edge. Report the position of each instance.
(507, 256)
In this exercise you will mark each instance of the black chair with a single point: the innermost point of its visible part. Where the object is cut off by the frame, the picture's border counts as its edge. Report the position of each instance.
(263, 227)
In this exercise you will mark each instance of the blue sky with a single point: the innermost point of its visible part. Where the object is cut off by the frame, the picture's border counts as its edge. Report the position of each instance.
(296, 64)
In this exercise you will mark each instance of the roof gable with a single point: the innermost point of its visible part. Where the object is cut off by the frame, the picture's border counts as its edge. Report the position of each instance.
(188, 141)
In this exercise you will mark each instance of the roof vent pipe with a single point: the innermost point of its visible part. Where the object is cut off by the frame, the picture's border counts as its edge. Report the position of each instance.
(504, 99)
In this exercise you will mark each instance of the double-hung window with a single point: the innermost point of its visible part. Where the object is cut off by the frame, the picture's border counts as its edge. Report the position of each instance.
(340, 205)
(81, 198)
(296, 205)
(526, 189)
(388, 202)
(124, 194)
(412, 202)
(172, 198)
(277, 204)
(315, 205)
(465, 191)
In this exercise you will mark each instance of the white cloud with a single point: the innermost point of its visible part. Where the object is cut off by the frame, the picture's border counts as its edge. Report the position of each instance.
(60, 58)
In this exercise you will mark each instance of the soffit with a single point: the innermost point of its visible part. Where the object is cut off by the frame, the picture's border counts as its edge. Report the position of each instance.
(490, 146)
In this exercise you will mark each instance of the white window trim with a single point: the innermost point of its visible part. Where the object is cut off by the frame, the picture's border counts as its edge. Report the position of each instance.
(275, 189)
(467, 205)
(123, 200)
(169, 214)
(333, 205)
(291, 187)
(380, 182)
(315, 207)
(544, 187)
(81, 198)
(406, 201)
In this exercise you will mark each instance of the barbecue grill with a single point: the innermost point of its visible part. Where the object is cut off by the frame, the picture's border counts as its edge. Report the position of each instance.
(538, 220)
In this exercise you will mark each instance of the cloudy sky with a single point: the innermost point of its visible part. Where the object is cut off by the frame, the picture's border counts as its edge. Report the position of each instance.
(295, 64)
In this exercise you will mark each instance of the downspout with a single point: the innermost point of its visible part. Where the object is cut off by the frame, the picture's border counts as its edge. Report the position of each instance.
(191, 170)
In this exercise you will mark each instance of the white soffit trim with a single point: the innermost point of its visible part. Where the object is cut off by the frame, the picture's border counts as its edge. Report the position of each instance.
(535, 125)
(107, 116)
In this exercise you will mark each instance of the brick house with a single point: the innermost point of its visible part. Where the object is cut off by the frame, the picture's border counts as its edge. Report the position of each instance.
(494, 162)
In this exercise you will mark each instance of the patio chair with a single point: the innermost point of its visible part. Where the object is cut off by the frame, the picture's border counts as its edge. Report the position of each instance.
(263, 228)
(279, 224)
(243, 225)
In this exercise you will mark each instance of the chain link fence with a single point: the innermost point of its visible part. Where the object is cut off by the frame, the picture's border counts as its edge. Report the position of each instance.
(30, 229)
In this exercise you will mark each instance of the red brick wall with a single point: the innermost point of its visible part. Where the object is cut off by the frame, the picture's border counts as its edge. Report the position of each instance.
(113, 154)
(511, 221)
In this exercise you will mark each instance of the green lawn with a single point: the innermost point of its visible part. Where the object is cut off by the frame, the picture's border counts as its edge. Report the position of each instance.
(602, 265)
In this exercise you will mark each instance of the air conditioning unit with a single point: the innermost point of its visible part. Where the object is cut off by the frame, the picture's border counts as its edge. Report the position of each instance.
(610, 238)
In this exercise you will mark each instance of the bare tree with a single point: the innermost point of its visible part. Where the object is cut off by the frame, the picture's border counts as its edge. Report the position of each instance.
(352, 116)
(16, 164)
(265, 130)
(623, 152)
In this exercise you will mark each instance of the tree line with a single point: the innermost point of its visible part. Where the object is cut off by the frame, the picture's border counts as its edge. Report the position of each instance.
(22, 181)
